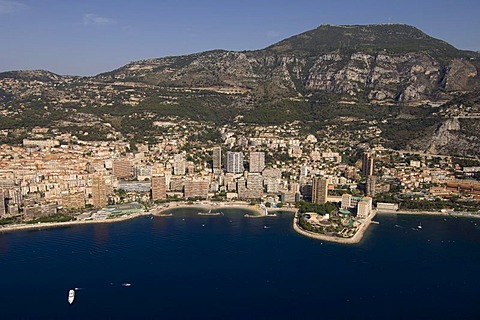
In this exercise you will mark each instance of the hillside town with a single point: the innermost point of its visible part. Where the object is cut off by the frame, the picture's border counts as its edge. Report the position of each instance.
(61, 175)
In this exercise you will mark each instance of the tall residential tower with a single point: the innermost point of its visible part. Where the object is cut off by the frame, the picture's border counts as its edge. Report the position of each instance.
(217, 159)
(234, 162)
(320, 190)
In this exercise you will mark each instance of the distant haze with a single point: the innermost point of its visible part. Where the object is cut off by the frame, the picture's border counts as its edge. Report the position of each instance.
(89, 37)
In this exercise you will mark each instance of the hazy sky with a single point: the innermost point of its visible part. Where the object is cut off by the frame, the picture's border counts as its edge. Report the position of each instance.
(86, 37)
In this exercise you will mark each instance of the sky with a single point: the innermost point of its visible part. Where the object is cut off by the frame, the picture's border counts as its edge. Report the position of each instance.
(87, 37)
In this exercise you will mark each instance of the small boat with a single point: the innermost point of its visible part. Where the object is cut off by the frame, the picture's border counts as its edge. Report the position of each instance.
(419, 226)
(71, 296)
(266, 227)
(126, 284)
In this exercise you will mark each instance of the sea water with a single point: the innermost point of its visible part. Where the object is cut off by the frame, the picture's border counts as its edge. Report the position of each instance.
(231, 267)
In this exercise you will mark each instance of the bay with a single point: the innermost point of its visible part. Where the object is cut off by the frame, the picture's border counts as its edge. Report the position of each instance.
(231, 267)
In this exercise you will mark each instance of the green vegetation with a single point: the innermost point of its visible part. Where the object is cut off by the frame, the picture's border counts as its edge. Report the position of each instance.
(317, 208)
(6, 221)
(453, 203)
(389, 38)
(466, 162)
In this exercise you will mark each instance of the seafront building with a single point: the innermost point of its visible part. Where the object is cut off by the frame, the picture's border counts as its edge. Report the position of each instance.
(196, 189)
(363, 205)
(364, 208)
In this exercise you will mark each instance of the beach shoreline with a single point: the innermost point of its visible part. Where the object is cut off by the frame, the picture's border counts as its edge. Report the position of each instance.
(158, 210)
(207, 205)
(49, 225)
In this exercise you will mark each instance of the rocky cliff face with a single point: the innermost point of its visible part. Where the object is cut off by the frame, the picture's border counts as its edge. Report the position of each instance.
(412, 77)
(455, 136)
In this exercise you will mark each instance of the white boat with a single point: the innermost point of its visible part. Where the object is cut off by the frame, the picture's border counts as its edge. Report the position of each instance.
(126, 284)
(71, 296)
(419, 226)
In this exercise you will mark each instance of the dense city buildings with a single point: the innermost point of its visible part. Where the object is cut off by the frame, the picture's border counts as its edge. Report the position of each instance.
(75, 175)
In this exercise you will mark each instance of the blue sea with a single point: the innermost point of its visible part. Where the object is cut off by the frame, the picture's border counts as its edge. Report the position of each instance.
(231, 267)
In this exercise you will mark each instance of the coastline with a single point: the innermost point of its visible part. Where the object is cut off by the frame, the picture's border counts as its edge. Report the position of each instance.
(158, 211)
(258, 212)
(49, 225)
(433, 213)
(206, 205)
(357, 237)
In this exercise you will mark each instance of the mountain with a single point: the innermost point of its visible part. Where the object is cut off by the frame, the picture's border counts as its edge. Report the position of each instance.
(367, 72)
(382, 64)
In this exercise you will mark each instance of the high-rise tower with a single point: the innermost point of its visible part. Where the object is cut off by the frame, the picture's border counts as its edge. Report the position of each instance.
(217, 159)
(234, 162)
(99, 191)
(367, 164)
(320, 190)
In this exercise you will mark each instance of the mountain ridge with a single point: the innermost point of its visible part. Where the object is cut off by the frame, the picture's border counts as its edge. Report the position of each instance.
(334, 68)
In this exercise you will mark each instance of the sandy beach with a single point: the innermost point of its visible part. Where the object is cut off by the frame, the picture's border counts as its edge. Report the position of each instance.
(357, 237)
(207, 205)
